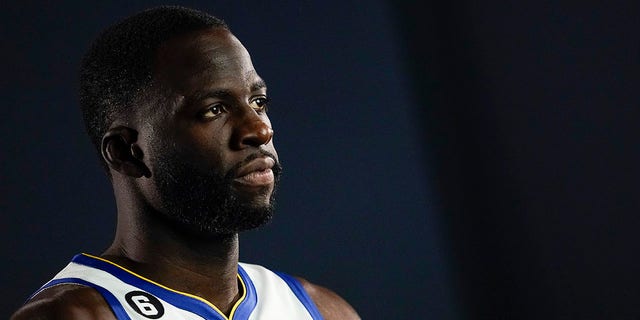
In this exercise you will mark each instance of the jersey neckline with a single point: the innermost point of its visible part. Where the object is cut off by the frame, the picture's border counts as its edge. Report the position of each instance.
(186, 301)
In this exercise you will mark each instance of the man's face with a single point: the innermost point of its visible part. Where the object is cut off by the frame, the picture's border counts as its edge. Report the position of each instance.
(210, 149)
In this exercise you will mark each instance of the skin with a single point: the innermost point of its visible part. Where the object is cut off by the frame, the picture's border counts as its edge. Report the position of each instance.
(203, 61)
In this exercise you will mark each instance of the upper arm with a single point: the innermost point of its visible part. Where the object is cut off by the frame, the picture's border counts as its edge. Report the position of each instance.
(329, 303)
(65, 302)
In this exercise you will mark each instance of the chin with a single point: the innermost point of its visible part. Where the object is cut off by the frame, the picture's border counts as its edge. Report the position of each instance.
(258, 203)
(259, 198)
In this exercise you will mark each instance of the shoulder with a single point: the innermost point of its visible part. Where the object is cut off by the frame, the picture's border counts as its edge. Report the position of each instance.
(329, 303)
(67, 301)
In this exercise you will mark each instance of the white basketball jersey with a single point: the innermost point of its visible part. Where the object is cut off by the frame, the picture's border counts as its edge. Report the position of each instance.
(267, 295)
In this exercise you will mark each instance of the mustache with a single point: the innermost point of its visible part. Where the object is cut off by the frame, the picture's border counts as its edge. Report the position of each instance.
(259, 154)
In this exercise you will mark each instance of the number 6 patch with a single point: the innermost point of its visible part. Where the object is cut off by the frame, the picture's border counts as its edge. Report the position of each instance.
(145, 304)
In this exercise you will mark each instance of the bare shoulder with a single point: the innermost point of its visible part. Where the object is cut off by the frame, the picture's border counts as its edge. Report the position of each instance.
(330, 304)
(67, 301)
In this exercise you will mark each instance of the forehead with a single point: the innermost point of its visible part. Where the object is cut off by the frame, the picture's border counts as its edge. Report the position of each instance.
(210, 57)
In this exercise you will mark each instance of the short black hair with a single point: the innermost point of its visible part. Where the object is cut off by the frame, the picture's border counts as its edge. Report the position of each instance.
(118, 65)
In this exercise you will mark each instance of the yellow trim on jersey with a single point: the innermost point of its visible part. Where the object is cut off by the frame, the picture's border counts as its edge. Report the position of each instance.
(233, 310)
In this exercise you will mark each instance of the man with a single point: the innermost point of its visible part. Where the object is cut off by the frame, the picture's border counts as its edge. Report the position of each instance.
(177, 112)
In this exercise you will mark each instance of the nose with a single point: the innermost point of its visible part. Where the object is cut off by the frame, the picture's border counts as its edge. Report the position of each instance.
(250, 130)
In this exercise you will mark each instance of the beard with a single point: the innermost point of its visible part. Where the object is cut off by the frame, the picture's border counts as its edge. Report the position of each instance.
(204, 203)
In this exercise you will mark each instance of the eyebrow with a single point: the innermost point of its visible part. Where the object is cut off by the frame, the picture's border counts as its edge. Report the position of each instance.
(223, 93)
(260, 84)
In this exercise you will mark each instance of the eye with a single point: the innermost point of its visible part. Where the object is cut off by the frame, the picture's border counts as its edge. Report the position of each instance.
(260, 104)
(213, 111)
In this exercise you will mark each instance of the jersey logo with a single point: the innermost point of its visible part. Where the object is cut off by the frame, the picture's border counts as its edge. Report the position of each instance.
(145, 304)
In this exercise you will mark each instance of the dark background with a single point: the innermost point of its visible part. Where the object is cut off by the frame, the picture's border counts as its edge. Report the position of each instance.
(442, 161)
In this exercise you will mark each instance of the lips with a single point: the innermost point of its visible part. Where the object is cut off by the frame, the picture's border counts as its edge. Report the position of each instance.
(256, 173)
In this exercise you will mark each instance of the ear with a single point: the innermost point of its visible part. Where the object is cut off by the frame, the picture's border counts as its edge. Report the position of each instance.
(122, 154)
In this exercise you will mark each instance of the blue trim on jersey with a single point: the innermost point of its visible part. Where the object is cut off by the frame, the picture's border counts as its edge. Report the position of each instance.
(181, 301)
(113, 302)
(302, 294)
(251, 298)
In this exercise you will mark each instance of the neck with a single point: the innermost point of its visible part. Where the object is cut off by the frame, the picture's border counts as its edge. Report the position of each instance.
(205, 266)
